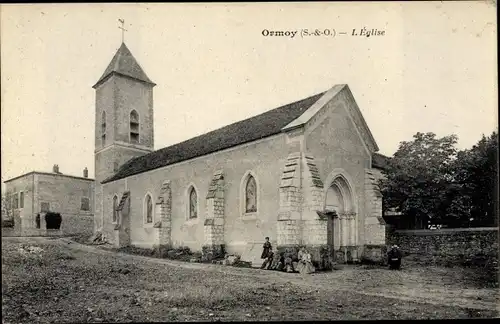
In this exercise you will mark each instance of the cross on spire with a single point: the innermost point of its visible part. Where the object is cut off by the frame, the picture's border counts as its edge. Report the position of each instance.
(123, 29)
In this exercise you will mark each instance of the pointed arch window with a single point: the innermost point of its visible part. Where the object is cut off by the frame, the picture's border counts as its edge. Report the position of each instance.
(250, 195)
(115, 209)
(148, 209)
(103, 128)
(134, 127)
(193, 203)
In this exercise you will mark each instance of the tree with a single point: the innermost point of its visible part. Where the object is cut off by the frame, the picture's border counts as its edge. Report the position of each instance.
(476, 174)
(7, 212)
(419, 178)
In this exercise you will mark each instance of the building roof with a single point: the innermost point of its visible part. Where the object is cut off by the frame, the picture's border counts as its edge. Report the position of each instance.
(50, 174)
(124, 63)
(248, 130)
(380, 161)
(258, 127)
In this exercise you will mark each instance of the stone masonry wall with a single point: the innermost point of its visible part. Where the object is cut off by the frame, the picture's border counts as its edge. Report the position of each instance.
(448, 246)
(77, 224)
(213, 227)
(24, 214)
(314, 229)
(289, 216)
(165, 223)
(374, 223)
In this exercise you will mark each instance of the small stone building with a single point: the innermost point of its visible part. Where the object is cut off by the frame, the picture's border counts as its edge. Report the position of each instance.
(303, 174)
(36, 193)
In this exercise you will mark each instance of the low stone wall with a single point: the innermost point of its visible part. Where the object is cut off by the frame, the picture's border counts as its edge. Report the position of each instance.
(71, 225)
(77, 224)
(457, 246)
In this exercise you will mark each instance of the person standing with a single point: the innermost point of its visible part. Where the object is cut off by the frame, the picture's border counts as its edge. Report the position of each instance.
(394, 258)
(266, 249)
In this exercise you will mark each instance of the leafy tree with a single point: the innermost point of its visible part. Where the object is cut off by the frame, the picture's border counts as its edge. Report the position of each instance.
(7, 213)
(476, 174)
(419, 178)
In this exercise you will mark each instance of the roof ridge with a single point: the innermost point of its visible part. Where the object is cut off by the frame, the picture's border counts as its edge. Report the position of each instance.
(241, 121)
(243, 131)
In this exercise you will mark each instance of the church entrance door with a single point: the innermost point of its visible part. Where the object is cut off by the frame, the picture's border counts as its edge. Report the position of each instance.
(342, 220)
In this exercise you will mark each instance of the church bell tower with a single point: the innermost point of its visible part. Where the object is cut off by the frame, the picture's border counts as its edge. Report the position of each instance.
(124, 119)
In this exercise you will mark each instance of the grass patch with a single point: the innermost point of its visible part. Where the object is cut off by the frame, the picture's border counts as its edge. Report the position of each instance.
(92, 287)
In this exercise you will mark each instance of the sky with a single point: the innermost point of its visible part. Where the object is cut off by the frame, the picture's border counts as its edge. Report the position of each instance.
(433, 70)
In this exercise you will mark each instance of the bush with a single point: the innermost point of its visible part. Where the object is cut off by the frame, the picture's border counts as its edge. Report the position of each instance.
(7, 223)
(160, 251)
(53, 220)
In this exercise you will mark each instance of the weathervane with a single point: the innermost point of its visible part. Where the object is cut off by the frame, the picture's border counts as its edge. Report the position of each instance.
(123, 29)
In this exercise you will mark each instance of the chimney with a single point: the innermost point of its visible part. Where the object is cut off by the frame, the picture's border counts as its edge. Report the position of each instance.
(85, 173)
(55, 168)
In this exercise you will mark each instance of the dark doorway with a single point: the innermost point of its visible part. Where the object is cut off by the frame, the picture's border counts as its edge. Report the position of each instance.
(53, 220)
(37, 220)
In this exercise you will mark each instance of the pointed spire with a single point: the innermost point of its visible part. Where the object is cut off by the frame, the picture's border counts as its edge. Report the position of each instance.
(124, 63)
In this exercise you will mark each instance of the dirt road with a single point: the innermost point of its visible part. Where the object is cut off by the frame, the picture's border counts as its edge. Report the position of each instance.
(433, 285)
(71, 281)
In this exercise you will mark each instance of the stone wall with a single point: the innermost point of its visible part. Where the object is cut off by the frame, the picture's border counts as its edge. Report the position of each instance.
(447, 246)
(214, 244)
(263, 158)
(25, 213)
(70, 225)
(77, 224)
(64, 194)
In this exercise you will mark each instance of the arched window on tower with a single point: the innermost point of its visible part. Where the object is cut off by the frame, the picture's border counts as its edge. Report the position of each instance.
(134, 127)
(115, 211)
(103, 128)
(251, 195)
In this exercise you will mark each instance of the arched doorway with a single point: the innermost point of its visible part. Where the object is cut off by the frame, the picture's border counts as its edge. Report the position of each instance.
(342, 226)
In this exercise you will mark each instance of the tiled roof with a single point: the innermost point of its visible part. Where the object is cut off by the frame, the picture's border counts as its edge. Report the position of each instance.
(124, 63)
(248, 130)
(252, 129)
(379, 161)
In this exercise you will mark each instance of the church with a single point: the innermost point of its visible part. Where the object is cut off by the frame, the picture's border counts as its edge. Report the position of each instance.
(301, 174)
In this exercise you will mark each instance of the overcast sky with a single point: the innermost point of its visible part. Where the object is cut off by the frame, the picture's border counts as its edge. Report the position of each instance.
(434, 70)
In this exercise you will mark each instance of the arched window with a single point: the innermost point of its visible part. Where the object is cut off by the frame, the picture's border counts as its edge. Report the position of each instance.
(115, 211)
(193, 203)
(134, 127)
(250, 195)
(103, 128)
(148, 217)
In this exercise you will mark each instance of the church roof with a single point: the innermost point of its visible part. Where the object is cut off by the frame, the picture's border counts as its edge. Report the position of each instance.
(124, 63)
(380, 161)
(248, 130)
(258, 127)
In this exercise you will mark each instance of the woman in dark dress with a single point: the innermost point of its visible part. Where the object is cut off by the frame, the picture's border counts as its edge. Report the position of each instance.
(266, 252)
(394, 258)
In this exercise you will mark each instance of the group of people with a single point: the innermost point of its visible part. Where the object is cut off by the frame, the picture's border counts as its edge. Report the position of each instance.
(302, 261)
(286, 261)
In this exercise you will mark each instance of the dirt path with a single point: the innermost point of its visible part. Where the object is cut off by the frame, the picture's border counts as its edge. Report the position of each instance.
(428, 285)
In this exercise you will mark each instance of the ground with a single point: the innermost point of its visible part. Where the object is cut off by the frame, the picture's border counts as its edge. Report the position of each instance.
(70, 282)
